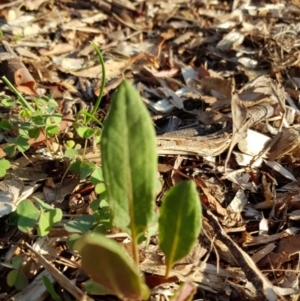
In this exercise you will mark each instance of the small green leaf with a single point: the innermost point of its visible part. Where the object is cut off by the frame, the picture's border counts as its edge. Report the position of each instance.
(52, 130)
(121, 276)
(8, 101)
(95, 205)
(97, 176)
(70, 144)
(47, 220)
(50, 288)
(17, 279)
(75, 166)
(100, 188)
(71, 240)
(17, 262)
(86, 168)
(44, 206)
(9, 149)
(28, 215)
(11, 277)
(85, 132)
(81, 225)
(25, 113)
(34, 133)
(21, 281)
(71, 153)
(38, 120)
(179, 222)
(5, 125)
(4, 166)
(22, 144)
(129, 161)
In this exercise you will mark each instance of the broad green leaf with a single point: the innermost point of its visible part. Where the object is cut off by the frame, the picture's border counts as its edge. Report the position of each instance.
(107, 264)
(50, 288)
(81, 225)
(129, 161)
(28, 215)
(179, 222)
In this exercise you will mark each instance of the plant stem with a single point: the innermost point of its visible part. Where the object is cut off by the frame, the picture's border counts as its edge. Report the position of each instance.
(135, 252)
(97, 104)
(22, 100)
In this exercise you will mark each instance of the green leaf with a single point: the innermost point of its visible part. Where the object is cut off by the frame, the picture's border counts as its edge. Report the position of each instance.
(70, 144)
(44, 206)
(9, 149)
(4, 166)
(28, 215)
(11, 277)
(5, 125)
(81, 225)
(86, 168)
(22, 144)
(121, 276)
(97, 176)
(47, 220)
(179, 222)
(21, 281)
(75, 166)
(34, 132)
(52, 130)
(100, 188)
(17, 279)
(71, 240)
(129, 161)
(49, 286)
(8, 101)
(71, 153)
(17, 262)
(85, 132)
(38, 120)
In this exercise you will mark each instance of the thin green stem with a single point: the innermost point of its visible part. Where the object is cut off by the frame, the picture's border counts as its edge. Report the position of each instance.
(87, 114)
(97, 104)
(22, 100)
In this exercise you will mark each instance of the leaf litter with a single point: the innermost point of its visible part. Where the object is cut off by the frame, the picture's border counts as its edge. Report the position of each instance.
(221, 81)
